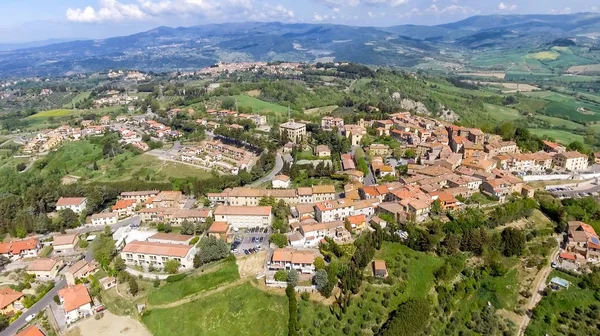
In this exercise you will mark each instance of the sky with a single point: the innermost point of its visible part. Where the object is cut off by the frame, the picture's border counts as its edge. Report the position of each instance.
(37, 20)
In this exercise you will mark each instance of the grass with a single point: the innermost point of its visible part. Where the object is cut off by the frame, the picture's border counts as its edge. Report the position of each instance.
(545, 55)
(545, 319)
(174, 291)
(321, 110)
(560, 122)
(78, 98)
(501, 113)
(52, 113)
(45, 252)
(260, 106)
(241, 310)
(531, 105)
(564, 137)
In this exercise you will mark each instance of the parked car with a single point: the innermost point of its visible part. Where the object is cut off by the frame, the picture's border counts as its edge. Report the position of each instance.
(261, 239)
(246, 251)
(29, 318)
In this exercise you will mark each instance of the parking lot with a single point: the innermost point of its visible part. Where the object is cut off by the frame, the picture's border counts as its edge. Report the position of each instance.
(575, 192)
(251, 240)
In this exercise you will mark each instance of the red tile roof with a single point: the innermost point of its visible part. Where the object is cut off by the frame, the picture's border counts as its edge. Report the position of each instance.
(74, 297)
(8, 296)
(30, 331)
(70, 201)
(170, 250)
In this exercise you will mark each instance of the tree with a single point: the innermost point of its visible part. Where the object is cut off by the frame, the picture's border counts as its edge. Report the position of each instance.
(319, 263)
(410, 318)
(410, 153)
(292, 278)
(281, 275)
(210, 249)
(119, 264)
(513, 241)
(321, 279)
(187, 228)
(4, 321)
(172, 266)
(293, 311)
(436, 207)
(279, 239)
(103, 249)
(133, 286)
(68, 219)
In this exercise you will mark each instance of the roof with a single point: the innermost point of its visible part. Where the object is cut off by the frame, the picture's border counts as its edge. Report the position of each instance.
(293, 256)
(292, 125)
(42, 264)
(64, 239)
(162, 249)
(170, 236)
(560, 281)
(356, 220)
(23, 245)
(573, 155)
(70, 201)
(323, 189)
(8, 296)
(320, 226)
(379, 265)
(82, 265)
(74, 297)
(191, 213)
(283, 178)
(105, 215)
(107, 280)
(218, 227)
(123, 204)
(224, 210)
(568, 256)
(140, 193)
(305, 191)
(323, 148)
(31, 331)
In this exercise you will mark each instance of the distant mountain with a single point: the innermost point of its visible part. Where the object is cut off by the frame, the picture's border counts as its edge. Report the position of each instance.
(25, 45)
(189, 48)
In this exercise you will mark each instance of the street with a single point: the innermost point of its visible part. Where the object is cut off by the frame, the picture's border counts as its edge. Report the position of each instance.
(49, 297)
(273, 173)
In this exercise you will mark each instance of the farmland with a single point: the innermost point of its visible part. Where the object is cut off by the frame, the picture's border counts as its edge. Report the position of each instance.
(564, 137)
(52, 114)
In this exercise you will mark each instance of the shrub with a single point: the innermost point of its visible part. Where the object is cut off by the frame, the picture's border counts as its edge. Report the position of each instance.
(305, 296)
(281, 275)
(176, 277)
(194, 240)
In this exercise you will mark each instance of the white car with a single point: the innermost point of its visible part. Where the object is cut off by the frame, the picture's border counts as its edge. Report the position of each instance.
(30, 318)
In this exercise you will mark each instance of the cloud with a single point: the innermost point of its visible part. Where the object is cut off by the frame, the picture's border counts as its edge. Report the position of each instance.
(113, 10)
(319, 18)
(506, 7)
(354, 3)
(336, 10)
(108, 10)
(433, 9)
(566, 10)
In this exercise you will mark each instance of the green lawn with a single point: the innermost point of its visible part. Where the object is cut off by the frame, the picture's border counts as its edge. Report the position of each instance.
(241, 310)
(560, 122)
(554, 314)
(501, 113)
(174, 291)
(564, 137)
(260, 106)
(52, 113)
(78, 98)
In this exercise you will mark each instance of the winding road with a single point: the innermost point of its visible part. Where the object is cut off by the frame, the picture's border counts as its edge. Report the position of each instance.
(272, 174)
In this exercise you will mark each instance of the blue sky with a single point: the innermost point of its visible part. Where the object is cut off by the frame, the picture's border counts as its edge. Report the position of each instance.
(34, 20)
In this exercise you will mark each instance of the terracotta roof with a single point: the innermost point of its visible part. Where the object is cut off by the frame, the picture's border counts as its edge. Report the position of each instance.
(170, 236)
(123, 204)
(170, 250)
(243, 210)
(573, 155)
(70, 201)
(30, 331)
(191, 213)
(74, 297)
(568, 256)
(283, 178)
(218, 227)
(293, 256)
(105, 215)
(356, 220)
(305, 191)
(379, 265)
(19, 246)
(4, 248)
(140, 193)
(8, 296)
(42, 264)
(323, 189)
(321, 226)
(65, 239)
(82, 266)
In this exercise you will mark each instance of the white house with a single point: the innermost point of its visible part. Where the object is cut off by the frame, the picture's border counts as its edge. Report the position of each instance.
(330, 211)
(105, 218)
(244, 216)
(76, 204)
(66, 242)
(300, 260)
(281, 182)
(144, 253)
(76, 302)
(314, 232)
(170, 238)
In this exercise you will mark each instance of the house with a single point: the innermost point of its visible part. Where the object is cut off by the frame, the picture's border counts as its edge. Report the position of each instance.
(219, 230)
(447, 201)
(139, 196)
(354, 133)
(108, 282)
(79, 270)
(295, 131)
(26, 248)
(76, 204)
(379, 149)
(330, 211)
(66, 242)
(30, 331)
(10, 301)
(76, 302)
(105, 218)
(144, 254)
(126, 207)
(321, 193)
(190, 215)
(281, 181)
(583, 240)
(571, 161)
(322, 151)
(553, 147)
(44, 268)
(313, 233)
(348, 162)
(379, 269)
(244, 216)
(287, 259)
(558, 283)
(329, 123)
(356, 222)
(170, 238)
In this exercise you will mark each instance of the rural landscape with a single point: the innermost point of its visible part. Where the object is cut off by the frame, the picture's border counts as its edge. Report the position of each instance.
(327, 180)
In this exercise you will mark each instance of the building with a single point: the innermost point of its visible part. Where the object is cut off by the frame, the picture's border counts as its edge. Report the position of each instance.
(139, 196)
(79, 270)
(190, 215)
(45, 268)
(105, 218)
(379, 149)
(170, 238)
(66, 242)
(329, 123)
(10, 301)
(26, 248)
(379, 269)
(219, 230)
(553, 147)
(330, 211)
(76, 302)
(147, 253)
(30, 331)
(287, 259)
(76, 204)
(108, 282)
(281, 182)
(313, 233)
(322, 151)
(295, 131)
(126, 207)
(571, 161)
(354, 133)
(583, 240)
(244, 216)
(356, 222)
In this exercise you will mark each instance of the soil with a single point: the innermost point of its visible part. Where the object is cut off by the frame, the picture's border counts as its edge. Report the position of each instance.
(109, 325)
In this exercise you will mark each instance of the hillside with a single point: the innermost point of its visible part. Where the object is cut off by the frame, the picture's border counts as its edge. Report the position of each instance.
(165, 49)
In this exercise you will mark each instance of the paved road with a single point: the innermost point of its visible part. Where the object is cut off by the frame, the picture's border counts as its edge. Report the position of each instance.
(273, 173)
(49, 297)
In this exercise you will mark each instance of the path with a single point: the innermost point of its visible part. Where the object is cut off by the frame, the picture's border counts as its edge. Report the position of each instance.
(539, 284)
(200, 295)
(272, 174)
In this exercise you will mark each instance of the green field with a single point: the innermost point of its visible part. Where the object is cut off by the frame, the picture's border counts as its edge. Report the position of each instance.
(564, 137)
(52, 113)
(501, 113)
(174, 291)
(552, 316)
(80, 97)
(260, 106)
(560, 122)
(241, 310)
